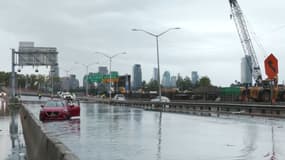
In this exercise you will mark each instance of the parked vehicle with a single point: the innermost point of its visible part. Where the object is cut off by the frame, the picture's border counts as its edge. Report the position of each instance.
(59, 110)
(163, 99)
(119, 97)
(66, 95)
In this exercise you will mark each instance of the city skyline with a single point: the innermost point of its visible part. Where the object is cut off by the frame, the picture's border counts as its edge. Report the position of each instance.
(207, 43)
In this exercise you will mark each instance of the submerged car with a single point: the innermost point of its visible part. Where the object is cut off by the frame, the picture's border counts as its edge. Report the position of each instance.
(59, 110)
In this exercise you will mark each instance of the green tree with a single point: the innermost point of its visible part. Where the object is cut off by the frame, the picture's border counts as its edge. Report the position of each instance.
(183, 84)
(152, 85)
(4, 78)
(205, 81)
(144, 85)
(180, 82)
(187, 83)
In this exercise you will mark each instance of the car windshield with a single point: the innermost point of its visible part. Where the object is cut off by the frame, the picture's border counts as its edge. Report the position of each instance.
(54, 104)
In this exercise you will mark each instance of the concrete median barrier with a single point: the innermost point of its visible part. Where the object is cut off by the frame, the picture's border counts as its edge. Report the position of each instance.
(39, 144)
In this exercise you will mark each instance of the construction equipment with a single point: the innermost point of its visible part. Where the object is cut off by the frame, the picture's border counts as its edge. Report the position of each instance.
(262, 90)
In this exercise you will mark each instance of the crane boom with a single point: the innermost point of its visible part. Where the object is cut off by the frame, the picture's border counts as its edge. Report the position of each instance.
(246, 43)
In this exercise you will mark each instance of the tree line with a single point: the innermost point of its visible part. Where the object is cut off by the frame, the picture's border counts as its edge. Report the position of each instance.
(34, 82)
(181, 83)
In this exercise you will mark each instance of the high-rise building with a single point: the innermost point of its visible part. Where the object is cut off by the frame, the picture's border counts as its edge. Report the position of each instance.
(173, 81)
(246, 74)
(68, 83)
(166, 82)
(195, 77)
(137, 76)
(155, 74)
(103, 69)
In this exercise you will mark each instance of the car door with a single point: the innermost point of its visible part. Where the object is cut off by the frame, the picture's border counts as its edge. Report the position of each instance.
(73, 109)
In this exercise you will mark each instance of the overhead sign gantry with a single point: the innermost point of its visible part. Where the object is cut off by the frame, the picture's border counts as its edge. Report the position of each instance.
(29, 55)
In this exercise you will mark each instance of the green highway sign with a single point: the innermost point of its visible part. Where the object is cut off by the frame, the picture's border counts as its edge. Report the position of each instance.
(99, 77)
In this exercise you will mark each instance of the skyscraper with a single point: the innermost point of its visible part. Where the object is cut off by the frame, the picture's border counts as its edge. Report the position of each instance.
(166, 82)
(155, 74)
(246, 74)
(103, 69)
(137, 76)
(173, 81)
(195, 77)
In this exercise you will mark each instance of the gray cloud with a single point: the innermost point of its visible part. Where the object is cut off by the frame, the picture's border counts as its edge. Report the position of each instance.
(207, 42)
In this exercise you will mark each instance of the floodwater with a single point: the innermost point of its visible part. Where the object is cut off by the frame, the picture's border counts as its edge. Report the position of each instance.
(11, 137)
(106, 132)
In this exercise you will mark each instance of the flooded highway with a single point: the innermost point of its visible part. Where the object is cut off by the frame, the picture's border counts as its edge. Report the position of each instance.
(119, 133)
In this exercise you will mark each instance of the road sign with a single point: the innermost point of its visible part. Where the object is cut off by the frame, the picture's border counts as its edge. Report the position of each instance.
(271, 66)
(98, 77)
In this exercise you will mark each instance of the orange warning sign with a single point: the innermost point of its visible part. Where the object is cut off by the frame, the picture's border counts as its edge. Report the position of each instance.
(271, 66)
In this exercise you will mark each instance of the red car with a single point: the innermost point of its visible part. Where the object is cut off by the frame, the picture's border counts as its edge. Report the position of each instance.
(58, 110)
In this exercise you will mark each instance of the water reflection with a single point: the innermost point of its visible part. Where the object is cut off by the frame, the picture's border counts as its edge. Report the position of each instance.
(159, 137)
(62, 128)
(18, 150)
(4, 110)
(249, 142)
(14, 126)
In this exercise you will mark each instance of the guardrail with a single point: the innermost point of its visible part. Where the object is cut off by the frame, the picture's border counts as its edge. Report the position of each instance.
(208, 108)
(195, 107)
(39, 144)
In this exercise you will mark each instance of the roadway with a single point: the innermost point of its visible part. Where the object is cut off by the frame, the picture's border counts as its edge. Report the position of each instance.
(112, 132)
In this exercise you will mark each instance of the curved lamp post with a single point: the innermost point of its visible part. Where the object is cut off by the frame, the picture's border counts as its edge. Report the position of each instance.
(157, 52)
(87, 74)
(110, 65)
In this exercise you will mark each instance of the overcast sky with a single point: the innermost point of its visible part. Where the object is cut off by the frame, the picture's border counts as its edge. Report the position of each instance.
(207, 41)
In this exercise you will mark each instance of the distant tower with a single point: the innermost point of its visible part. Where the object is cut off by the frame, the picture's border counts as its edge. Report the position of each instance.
(137, 76)
(173, 81)
(155, 74)
(166, 79)
(195, 77)
(246, 74)
(103, 69)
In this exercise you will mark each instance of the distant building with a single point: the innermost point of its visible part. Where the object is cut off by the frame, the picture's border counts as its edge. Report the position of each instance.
(85, 81)
(166, 82)
(124, 84)
(137, 76)
(173, 80)
(68, 83)
(246, 74)
(103, 69)
(155, 74)
(195, 77)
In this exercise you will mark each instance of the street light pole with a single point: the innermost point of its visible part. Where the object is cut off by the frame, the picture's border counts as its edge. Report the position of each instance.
(110, 78)
(158, 69)
(87, 75)
(157, 52)
(86, 81)
(110, 67)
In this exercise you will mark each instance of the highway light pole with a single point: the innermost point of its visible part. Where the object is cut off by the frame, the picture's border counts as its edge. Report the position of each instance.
(110, 65)
(87, 75)
(157, 52)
